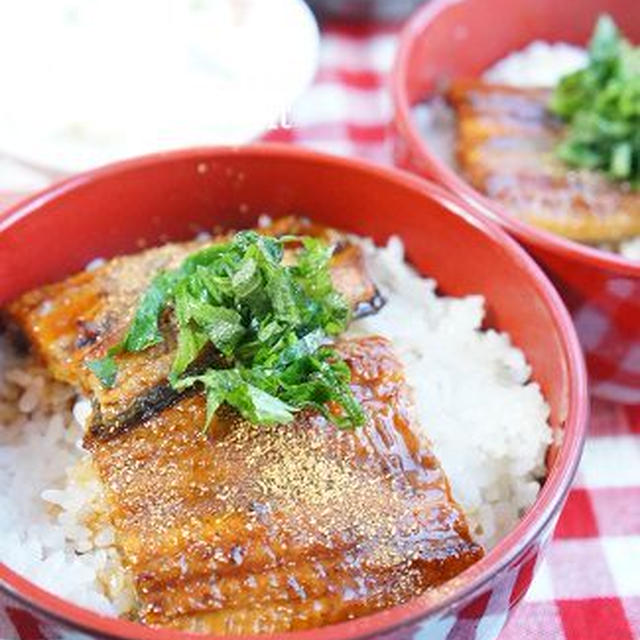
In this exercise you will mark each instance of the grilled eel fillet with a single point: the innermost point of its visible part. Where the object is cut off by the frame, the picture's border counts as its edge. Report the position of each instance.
(78, 319)
(506, 142)
(256, 529)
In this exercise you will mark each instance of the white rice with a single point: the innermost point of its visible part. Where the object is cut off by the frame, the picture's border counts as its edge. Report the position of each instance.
(54, 529)
(486, 420)
(540, 64)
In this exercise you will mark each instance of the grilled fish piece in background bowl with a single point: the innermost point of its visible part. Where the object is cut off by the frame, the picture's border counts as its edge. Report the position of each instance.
(168, 197)
(601, 288)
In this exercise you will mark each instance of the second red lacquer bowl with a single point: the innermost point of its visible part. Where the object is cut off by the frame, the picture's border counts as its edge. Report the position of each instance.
(446, 39)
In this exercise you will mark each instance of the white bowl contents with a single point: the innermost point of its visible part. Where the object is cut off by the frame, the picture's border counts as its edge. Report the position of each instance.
(86, 82)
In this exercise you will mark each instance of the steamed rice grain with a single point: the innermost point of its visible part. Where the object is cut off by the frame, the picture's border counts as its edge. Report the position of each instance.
(54, 527)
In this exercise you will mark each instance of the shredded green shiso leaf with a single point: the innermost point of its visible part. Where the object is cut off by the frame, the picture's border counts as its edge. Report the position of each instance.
(270, 323)
(601, 104)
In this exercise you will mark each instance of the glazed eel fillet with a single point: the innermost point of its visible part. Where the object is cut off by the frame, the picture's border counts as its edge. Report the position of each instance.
(78, 319)
(506, 143)
(252, 528)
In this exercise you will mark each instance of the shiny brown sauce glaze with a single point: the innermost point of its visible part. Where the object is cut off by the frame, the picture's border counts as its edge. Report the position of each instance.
(259, 529)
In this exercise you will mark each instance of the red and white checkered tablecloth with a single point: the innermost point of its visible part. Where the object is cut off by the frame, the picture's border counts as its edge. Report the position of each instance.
(588, 586)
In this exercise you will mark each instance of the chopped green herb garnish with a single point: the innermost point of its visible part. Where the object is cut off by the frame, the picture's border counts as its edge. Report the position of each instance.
(601, 104)
(270, 323)
(105, 369)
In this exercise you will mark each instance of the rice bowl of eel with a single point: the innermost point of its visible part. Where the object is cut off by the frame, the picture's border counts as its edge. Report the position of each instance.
(273, 512)
(508, 168)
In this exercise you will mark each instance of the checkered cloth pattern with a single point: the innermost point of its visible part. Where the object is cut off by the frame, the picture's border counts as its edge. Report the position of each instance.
(608, 323)
(588, 585)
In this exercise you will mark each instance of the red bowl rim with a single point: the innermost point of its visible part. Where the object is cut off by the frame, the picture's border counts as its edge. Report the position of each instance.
(530, 528)
(406, 128)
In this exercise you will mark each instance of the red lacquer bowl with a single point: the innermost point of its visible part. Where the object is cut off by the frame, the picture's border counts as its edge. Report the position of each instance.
(452, 38)
(109, 211)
